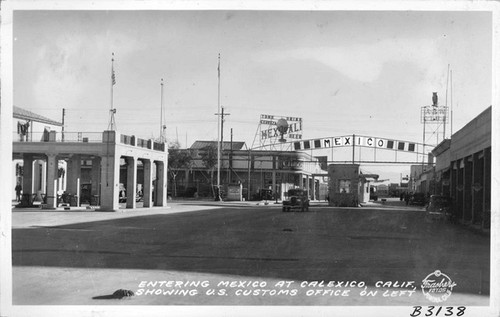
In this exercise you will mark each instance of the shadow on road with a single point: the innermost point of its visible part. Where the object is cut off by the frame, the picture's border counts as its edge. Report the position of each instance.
(360, 244)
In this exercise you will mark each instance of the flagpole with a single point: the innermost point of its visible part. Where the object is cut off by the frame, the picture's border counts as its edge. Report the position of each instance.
(217, 198)
(112, 111)
(161, 112)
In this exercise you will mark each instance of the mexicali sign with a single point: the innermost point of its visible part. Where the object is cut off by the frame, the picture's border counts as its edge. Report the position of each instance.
(294, 130)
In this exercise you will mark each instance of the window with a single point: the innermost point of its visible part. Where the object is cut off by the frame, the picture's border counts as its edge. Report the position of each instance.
(345, 186)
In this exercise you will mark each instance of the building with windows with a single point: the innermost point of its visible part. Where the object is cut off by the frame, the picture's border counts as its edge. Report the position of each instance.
(57, 167)
(32, 127)
(262, 173)
(348, 185)
(468, 179)
(462, 170)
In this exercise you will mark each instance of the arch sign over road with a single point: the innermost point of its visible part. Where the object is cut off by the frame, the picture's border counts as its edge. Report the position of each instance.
(354, 141)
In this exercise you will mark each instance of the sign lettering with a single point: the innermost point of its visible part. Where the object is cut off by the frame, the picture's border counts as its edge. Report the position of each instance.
(432, 114)
(346, 141)
(271, 132)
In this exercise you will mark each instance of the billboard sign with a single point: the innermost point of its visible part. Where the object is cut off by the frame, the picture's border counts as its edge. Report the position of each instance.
(434, 114)
(279, 127)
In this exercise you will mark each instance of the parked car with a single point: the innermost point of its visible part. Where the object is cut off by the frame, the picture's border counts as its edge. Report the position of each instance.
(266, 194)
(439, 208)
(296, 199)
(418, 199)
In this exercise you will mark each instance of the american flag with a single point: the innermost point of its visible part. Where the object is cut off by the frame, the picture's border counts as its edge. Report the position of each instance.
(113, 79)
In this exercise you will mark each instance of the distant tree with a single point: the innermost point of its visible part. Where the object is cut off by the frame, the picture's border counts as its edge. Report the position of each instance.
(178, 159)
(209, 159)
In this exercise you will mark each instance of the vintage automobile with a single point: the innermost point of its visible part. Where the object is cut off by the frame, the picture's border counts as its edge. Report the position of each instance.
(439, 208)
(296, 199)
(418, 199)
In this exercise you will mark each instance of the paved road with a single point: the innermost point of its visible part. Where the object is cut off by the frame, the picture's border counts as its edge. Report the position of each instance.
(190, 250)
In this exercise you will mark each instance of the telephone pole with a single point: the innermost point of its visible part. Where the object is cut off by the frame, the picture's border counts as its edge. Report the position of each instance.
(220, 145)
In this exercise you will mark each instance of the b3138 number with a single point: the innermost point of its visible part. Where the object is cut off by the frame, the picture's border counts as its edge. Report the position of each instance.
(438, 311)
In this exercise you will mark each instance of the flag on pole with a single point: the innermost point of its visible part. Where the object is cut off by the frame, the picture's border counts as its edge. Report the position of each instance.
(113, 79)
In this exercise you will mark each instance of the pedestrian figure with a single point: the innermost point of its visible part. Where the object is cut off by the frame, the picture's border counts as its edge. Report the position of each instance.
(407, 199)
(18, 192)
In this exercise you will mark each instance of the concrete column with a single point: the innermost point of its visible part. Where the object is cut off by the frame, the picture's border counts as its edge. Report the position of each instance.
(148, 183)
(308, 185)
(483, 196)
(313, 188)
(27, 174)
(468, 191)
(461, 193)
(73, 174)
(487, 189)
(110, 182)
(476, 191)
(131, 181)
(95, 176)
(275, 188)
(51, 194)
(39, 177)
(161, 184)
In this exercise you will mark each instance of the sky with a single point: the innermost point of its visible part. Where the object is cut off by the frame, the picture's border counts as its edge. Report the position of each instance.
(342, 72)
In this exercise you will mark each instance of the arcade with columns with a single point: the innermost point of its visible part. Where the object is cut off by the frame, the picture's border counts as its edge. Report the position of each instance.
(105, 154)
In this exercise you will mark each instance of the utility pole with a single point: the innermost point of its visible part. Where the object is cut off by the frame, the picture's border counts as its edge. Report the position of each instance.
(446, 102)
(222, 127)
(451, 103)
(217, 195)
(230, 158)
(220, 145)
(62, 130)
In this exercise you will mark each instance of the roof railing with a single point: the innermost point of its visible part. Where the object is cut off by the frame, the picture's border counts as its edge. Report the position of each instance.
(88, 137)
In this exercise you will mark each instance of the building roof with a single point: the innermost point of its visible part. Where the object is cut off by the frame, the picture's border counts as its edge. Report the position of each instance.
(20, 113)
(198, 145)
(372, 176)
(441, 147)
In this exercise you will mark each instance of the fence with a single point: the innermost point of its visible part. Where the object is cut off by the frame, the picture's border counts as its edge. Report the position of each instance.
(60, 137)
(84, 137)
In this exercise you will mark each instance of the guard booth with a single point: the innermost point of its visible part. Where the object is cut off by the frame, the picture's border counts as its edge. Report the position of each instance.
(234, 192)
(347, 185)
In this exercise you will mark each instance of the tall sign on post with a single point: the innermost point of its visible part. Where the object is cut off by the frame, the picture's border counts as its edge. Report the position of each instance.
(435, 116)
(276, 131)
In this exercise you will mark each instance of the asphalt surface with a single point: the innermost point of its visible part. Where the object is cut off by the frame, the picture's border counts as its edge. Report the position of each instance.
(206, 253)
